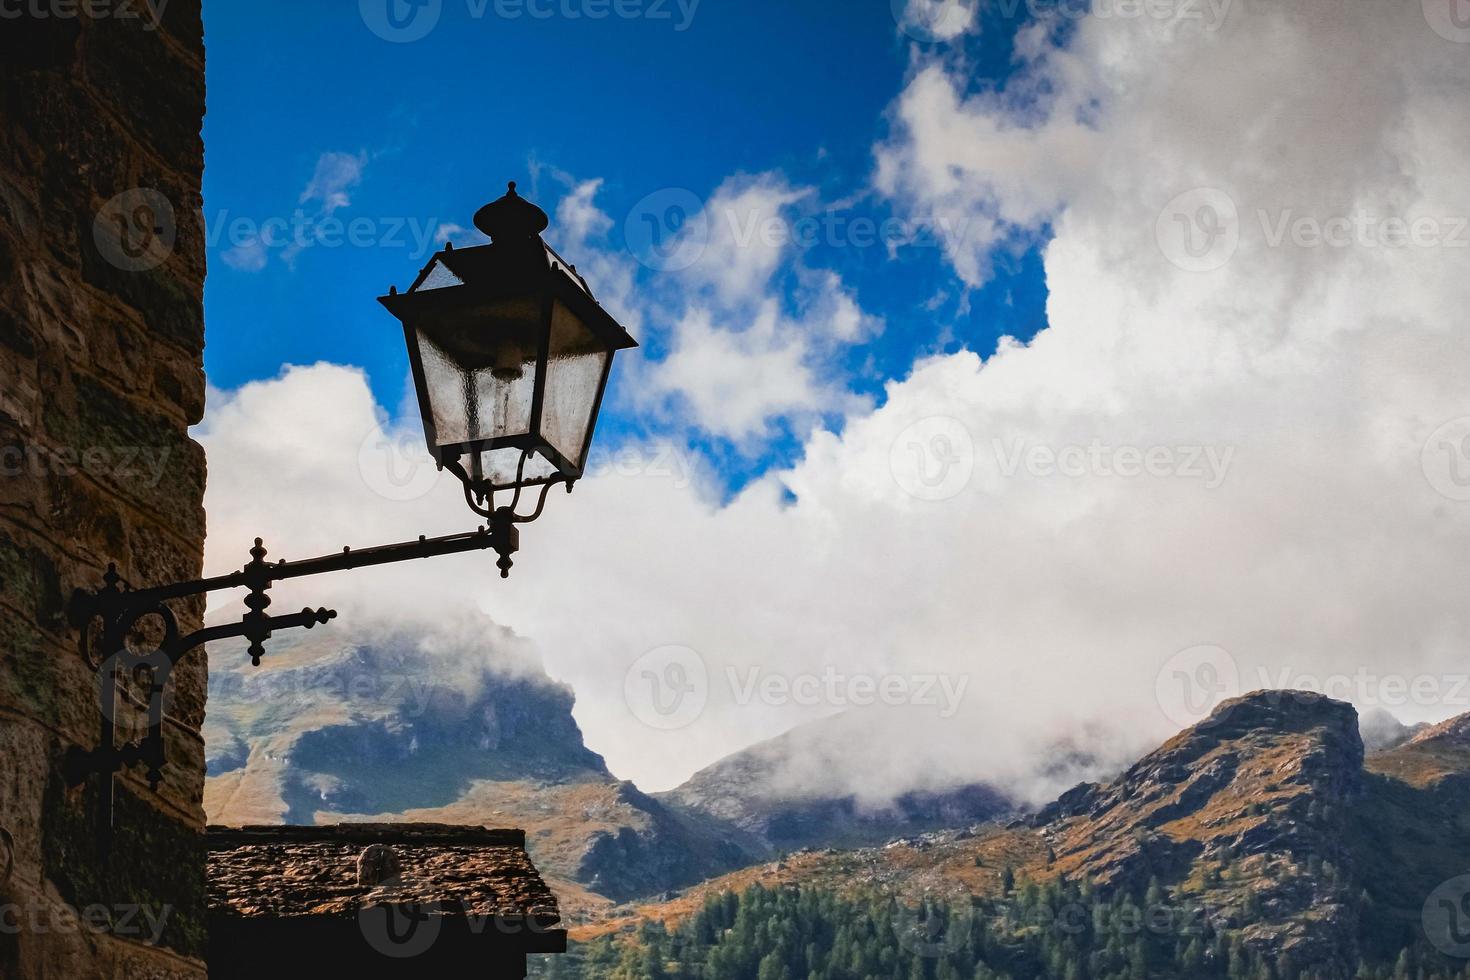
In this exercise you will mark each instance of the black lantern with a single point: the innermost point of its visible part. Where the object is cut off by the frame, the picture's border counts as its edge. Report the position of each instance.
(510, 355)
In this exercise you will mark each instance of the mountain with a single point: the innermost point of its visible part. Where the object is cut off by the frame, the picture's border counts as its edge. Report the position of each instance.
(1269, 821)
(1247, 815)
(772, 793)
(1267, 829)
(440, 722)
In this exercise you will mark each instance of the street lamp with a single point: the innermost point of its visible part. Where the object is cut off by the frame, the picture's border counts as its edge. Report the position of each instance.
(510, 356)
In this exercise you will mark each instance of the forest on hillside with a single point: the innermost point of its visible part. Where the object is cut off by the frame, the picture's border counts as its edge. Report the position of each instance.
(1055, 931)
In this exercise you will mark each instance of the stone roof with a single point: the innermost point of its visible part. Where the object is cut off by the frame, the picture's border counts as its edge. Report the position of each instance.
(286, 872)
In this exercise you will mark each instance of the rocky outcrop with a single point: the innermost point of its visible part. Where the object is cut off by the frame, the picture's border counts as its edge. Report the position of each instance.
(668, 850)
(1246, 815)
(1454, 732)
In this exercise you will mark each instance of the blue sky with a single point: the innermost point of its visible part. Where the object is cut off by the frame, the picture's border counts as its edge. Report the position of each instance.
(988, 518)
(312, 111)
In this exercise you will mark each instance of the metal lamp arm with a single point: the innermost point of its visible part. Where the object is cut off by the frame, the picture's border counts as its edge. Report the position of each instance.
(120, 608)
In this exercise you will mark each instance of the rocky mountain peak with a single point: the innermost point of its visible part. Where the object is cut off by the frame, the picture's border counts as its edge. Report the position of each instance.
(1283, 712)
(1261, 787)
(1455, 733)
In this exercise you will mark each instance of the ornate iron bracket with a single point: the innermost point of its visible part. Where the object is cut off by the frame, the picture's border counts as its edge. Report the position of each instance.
(120, 609)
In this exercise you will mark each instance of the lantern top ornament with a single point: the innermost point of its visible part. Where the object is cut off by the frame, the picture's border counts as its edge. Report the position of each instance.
(510, 217)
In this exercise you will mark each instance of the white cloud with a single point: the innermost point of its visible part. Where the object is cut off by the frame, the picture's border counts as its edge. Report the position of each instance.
(250, 256)
(1326, 553)
(336, 174)
(754, 335)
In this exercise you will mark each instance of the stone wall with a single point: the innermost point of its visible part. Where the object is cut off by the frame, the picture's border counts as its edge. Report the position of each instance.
(101, 340)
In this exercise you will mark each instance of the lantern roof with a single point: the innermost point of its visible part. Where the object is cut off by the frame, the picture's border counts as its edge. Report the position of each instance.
(516, 261)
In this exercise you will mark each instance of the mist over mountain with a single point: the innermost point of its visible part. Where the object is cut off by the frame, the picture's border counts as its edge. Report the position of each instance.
(452, 719)
(867, 776)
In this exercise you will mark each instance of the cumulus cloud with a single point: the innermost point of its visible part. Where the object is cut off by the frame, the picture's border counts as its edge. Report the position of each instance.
(1046, 521)
(753, 334)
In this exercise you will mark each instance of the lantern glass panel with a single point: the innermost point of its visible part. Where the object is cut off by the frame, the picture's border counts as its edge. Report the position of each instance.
(439, 276)
(575, 366)
(497, 467)
(480, 370)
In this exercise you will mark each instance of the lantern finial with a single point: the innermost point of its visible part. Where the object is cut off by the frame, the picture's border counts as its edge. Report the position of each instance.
(512, 216)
